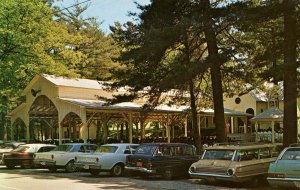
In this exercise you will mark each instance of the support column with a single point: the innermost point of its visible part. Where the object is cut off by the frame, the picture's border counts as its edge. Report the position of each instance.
(199, 125)
(273, 132)
(26, 122)
(60, 132)
(130, 128)
(168, 129)
(82, 115)
(186, 126)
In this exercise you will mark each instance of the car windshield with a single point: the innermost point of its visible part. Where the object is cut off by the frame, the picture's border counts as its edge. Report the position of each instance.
(146, 149)
(106, 149)
(218, 155)
(64, 148)
(291, 154)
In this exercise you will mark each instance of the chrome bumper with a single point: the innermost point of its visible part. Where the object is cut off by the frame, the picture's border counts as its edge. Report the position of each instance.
(44, 163)
(140, 169)
(82, 165)
(285, 182)
(210, 176)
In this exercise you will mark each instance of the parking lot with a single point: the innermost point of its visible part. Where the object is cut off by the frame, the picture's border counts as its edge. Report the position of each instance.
(24, 179)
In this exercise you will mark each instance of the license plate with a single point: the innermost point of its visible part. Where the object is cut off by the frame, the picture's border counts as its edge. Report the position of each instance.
(86, 167)
(211, 179)
(139, 164)
(43, 163)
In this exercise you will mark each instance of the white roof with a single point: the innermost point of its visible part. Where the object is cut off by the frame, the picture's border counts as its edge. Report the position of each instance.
(272, 114)
(227, 112)
(74, 82)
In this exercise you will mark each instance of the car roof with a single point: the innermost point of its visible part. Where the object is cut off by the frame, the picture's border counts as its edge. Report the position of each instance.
(239, 147)
(38, 145)
(167, 144)
(120, 144)
(78, 144)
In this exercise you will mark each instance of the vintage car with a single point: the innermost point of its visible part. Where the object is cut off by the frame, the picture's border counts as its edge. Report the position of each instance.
(235, 163)
(285, 172)
(23, 155)
(63, 156)
(8, 147)
(108, 157)
(168, 160)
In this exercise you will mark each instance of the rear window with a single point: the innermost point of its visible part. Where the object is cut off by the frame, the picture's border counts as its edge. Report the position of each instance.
(107, 149)
(146, 149)
(218, 155)
(64, 148)
(22, 149)
(291, 154)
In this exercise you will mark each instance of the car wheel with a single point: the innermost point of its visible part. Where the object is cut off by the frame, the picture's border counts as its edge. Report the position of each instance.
(117, 170)
(168, 174)
(26, 166)
(10, 166)
(94, 172)
(70, 167)
(52, 169)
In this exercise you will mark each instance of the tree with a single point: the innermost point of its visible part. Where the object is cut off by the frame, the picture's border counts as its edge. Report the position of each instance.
(88, 50)
(290, 134)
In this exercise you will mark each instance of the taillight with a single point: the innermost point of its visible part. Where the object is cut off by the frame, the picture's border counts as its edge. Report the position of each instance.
(52, 156)
(276, 175)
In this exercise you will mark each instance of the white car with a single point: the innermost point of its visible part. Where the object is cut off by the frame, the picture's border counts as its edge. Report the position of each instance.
(63, 156)
(108, 157)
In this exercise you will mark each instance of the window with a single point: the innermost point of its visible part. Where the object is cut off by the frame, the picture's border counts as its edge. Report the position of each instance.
(146, 149)
(107, 149)
(245, 155)
(291, 154)
(218, 154)
(237, 100)
(264, 153)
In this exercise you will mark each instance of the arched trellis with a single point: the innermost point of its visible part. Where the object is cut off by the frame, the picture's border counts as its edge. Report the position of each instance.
(18, 130)
(43, 119)
(71, 126)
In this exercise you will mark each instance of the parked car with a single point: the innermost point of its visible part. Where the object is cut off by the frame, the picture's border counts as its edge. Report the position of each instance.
(168, 160)
(236, 163)
(23, 155)
(284, 172)
(63, 156)
(8, 147)
(108, 157)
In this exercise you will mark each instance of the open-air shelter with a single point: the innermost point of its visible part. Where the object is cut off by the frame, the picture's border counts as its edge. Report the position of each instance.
(272, 115)
(59, 107)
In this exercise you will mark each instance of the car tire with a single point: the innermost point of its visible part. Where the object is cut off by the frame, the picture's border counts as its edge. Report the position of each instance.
(117, 170)
(94, 172)
(168, 174)
(52, 169)
(10, 166)
(70, 167)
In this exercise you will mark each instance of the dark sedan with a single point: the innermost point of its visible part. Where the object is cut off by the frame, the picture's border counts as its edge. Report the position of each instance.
(23, 155)
(166, 159)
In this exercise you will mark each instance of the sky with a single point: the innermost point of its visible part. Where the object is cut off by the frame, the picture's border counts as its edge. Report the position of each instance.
(107, 11)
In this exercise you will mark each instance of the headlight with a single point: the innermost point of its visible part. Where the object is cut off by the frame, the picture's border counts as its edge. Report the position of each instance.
(230, 171)
(193, 169)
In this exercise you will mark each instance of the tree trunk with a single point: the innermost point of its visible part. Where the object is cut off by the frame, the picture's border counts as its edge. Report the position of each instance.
(196, 132)
(290, 74)
(215, 64)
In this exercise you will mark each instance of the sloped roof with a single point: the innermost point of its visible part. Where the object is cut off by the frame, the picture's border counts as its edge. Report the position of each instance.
(228, 112)
(98, 104)
(259, 96)
(272, 114)
(74, 82)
